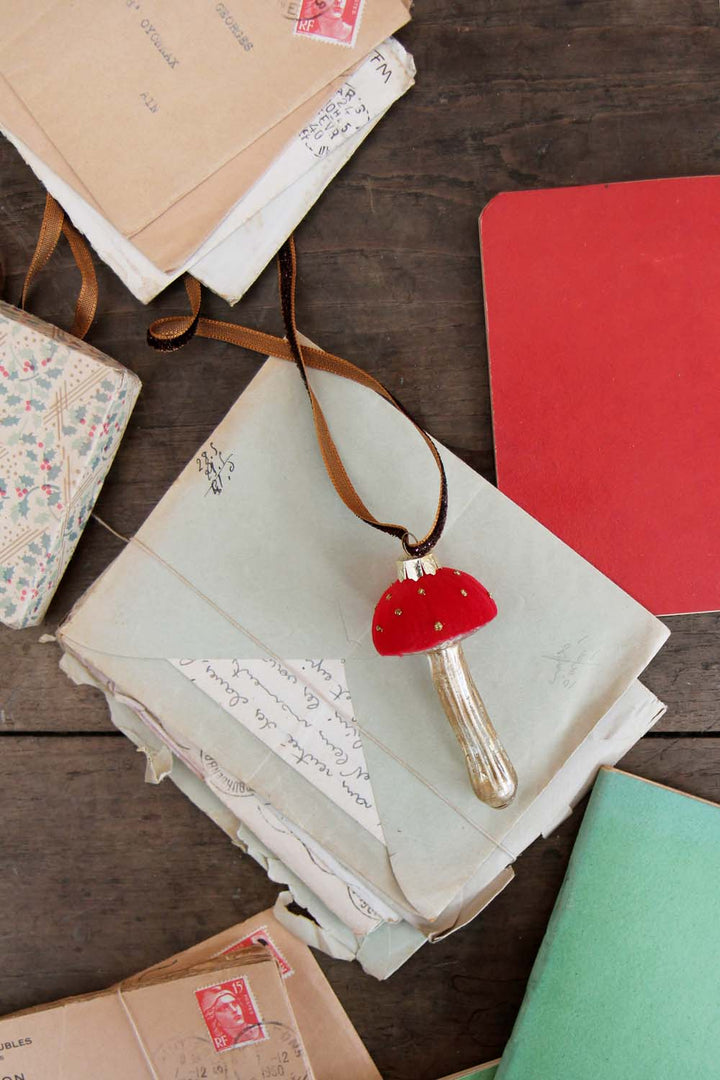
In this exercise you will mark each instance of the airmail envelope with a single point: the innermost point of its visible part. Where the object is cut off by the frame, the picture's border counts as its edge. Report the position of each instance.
(250, 571)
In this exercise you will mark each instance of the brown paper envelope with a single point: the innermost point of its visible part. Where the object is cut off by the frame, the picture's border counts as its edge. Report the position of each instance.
(155, 97)
(14, 117)
(219, 1021)
(226, 1018)
(176, 234)
(172, 238)
(332, 1044)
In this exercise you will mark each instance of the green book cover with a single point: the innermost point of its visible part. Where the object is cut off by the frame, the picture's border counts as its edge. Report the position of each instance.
(482, 1072)
(627, 980)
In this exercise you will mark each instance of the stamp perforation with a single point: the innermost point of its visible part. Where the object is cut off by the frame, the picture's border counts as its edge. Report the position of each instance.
(286, 970)
(251, 1034)
(316, 17)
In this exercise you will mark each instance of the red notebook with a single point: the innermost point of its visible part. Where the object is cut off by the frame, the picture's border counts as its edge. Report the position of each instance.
(603, 323)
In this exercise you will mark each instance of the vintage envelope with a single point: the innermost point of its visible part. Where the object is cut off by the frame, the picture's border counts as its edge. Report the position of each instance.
(177, 232)
(254, 226)
(225, 1016)
(251, 575)
(333, 1047)
(345, 921)
(189, 89)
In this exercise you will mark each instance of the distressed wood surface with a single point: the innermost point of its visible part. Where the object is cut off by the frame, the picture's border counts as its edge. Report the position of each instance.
(101, 874)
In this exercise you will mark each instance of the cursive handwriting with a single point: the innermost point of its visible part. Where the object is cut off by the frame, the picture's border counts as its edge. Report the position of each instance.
(264, 721)
(238, 672)
(306, 757)
(568, 660)
(233, 697)
(290, 706)
(312, 701)
(318, 666)
(216, 467)
(340, 755)
(282, 671)
(356, 797)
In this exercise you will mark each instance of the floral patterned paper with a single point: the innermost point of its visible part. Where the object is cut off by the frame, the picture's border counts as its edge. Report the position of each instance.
(63, 409)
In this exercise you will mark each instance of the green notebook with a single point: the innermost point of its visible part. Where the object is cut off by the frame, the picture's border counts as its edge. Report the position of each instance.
(627, 980)
(482, 1072)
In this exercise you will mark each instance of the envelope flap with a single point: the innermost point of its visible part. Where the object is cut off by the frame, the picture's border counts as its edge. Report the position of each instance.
(250, 548)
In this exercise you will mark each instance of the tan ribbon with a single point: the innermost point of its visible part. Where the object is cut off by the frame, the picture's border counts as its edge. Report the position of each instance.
(54, 223)
(175, 331)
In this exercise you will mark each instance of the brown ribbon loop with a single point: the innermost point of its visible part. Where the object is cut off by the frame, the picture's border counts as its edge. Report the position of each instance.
(173, 332)
(54, 223)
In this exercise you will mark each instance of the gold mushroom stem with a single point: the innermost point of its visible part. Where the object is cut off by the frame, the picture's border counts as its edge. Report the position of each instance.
(491, 772)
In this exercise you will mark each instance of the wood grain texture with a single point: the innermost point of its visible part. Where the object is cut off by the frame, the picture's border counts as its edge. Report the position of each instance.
(102, 874)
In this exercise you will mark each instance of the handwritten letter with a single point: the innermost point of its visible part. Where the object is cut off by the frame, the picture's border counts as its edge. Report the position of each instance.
(301, 710)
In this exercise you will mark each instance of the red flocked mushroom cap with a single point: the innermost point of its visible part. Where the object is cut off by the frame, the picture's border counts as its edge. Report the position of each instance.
(437, 609)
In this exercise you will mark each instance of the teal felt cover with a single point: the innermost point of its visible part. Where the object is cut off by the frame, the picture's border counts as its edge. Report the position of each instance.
(627, 980)
(483, 1072)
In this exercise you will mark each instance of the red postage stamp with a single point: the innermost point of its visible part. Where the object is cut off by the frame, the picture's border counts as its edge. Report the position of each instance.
(231, 1015)
(261, 937)
(329, 20)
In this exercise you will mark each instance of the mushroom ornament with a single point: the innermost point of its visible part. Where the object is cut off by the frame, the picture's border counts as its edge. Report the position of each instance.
(430, 609)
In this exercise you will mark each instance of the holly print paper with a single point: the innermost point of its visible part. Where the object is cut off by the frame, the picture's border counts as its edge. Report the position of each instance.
(63, 409)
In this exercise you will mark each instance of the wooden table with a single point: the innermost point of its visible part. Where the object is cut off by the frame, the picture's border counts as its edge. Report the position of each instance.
(101, 874)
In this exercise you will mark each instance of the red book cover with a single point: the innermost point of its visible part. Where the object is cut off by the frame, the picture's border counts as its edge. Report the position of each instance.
(603, 323)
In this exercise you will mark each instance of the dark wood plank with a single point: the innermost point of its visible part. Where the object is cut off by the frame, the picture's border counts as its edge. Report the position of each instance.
(103, 875)
(686, 674)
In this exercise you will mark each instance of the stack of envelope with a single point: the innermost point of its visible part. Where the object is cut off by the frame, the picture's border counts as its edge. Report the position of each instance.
(195, 138)
(249, 1002)
(232, 638)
